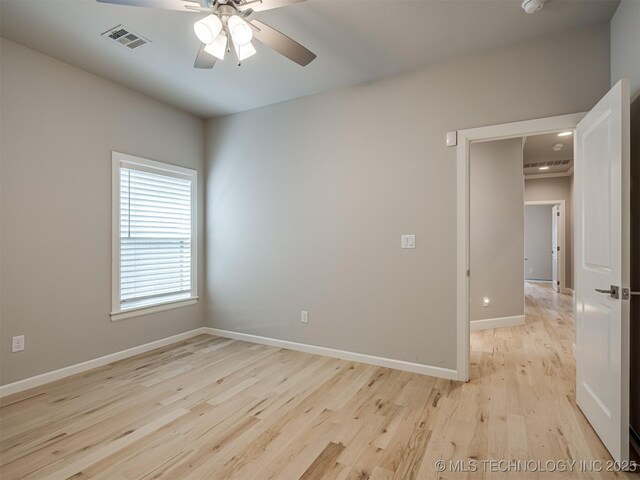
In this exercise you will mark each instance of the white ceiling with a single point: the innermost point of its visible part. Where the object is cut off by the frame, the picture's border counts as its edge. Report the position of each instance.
(355, 40)
(538, 149)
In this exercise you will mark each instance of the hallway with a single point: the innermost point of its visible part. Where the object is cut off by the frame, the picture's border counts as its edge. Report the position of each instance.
(526, 384)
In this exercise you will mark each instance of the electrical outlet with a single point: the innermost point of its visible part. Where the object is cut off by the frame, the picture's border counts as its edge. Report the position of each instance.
(485, 301)
(408, 241)
(17, 343)
(304, 316)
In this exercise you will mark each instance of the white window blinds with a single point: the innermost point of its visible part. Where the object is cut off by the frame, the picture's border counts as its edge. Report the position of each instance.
(156, 228)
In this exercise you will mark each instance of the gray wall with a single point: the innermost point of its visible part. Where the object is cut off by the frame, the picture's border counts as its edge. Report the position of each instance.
(537, 242)
(556, 188)
(59, 126)
(625, 45)
(307, 199)
(496, 229)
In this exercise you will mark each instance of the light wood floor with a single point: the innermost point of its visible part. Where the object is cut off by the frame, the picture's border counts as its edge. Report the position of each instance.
(211, 408)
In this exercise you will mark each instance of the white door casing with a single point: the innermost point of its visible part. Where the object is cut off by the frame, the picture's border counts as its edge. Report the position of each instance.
(602, 194)
(555, 211)
(465, 137)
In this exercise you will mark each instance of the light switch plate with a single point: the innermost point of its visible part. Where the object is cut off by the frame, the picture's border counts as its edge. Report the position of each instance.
(408, 241)
(452, 139)
(304, 316)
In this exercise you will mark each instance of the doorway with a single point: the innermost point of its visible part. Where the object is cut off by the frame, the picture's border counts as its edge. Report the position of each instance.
(547, 227)
(505, 224)
(601, 139)
(465, 137)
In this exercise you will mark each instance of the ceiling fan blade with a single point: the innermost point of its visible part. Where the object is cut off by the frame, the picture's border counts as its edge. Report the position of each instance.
(180, 5)
(282, 44)
(261, 6)
(203, 59)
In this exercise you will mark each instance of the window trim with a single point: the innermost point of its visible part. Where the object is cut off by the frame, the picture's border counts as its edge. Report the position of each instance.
(117, 161)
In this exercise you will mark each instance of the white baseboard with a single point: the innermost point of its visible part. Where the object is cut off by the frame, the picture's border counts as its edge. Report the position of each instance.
(569, 291)
(54, 375)
(341, 354)
(497, 323)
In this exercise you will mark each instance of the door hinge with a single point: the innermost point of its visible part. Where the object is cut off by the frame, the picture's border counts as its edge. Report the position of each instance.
(468, 273)
(558, 213)
(558, 248)
(558, 282)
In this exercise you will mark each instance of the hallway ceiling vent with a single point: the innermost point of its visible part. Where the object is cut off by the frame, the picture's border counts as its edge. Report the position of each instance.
(124, 36)
(557, 163)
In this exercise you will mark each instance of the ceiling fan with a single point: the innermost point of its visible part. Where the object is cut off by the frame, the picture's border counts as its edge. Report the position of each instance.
(227, 25)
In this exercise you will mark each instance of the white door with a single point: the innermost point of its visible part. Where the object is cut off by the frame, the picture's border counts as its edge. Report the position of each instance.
(602, 261)
(555, 211)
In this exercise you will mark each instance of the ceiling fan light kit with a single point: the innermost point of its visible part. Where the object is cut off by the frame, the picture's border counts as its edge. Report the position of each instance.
(240, 30)
(244, 51)
(227, 22)
(208, 28)
(218, 47)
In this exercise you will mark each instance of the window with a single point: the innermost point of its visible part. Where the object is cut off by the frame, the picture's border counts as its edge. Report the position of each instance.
(154, 236)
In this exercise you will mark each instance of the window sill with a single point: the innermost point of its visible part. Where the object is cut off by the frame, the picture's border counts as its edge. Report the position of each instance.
(149, 309)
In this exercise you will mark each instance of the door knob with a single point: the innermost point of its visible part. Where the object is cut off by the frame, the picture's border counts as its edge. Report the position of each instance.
(613, 291)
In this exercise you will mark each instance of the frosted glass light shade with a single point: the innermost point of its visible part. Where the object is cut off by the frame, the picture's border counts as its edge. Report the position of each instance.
(244, 51)
(208, 28)
(240, 30)
(218, 47)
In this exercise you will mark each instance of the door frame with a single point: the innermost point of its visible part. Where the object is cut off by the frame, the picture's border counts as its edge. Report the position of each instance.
(561, 238)
(465, 137)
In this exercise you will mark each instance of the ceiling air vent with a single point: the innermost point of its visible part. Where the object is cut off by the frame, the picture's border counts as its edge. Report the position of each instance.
(556, 163)
(124, 36)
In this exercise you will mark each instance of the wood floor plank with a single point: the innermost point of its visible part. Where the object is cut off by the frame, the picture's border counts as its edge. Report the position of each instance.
(323, 462)
(71, 469)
